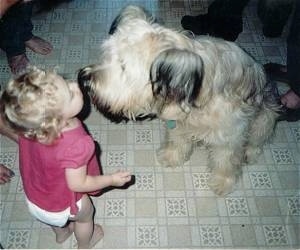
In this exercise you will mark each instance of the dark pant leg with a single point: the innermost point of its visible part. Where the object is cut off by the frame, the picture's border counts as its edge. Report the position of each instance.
(227, 8)
(28, 26)
(274, 15)
(293, 51)
(225, 18)
(16, 28)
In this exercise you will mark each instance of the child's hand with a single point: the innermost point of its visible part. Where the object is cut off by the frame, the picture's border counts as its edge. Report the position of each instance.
(120, 178)
(5, 174)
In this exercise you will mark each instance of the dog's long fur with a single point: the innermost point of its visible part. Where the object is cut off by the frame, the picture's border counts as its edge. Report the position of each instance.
(211, 87)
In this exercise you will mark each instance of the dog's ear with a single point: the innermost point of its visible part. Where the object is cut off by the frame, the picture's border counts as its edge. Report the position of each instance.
(84, 76)
(176, 75)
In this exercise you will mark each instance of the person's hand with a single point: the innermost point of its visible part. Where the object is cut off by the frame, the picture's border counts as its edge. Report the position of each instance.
(5, 174)
(120, 178)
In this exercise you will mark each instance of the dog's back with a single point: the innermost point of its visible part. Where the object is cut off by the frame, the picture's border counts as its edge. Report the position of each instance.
(129, 14)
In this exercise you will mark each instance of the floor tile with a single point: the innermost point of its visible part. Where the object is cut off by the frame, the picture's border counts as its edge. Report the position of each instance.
(166, 207)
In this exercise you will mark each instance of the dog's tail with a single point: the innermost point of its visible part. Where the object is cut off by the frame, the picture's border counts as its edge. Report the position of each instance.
(128, 14)
(271, 100)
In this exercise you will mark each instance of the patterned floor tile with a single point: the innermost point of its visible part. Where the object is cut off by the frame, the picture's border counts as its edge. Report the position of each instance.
(18, 238)
(275, 235)
(166, 207)
(147, 236)
(211, 236)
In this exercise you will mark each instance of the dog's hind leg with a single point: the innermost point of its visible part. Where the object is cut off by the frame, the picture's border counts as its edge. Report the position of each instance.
(260, 131)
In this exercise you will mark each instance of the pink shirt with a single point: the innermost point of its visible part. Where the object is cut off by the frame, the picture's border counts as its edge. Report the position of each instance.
(42, 168)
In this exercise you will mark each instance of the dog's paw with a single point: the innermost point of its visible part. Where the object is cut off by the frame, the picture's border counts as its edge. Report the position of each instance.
(221, 185)
(170, 157)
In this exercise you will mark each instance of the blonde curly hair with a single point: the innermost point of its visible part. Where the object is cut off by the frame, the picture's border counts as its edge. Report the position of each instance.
(31, 105)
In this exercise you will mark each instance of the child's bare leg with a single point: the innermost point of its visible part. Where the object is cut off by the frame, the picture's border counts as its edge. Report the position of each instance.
(63, 233)
(87, 234)
(97, 235)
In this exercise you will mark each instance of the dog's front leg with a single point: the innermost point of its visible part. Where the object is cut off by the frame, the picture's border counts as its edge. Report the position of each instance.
(225, 163)
(176, 149)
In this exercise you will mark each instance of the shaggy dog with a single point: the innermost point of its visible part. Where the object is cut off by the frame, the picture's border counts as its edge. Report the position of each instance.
(214, 91)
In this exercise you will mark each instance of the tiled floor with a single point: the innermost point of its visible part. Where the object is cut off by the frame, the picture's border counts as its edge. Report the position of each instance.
(165, 208)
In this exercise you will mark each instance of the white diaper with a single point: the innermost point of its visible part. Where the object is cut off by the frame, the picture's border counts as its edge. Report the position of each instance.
(58, 219)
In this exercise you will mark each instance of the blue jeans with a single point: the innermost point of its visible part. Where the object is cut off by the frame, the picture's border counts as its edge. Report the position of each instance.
(16, 28)
(293, 51)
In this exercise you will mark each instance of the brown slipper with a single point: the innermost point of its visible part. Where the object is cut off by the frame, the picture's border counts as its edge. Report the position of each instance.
(18, 64)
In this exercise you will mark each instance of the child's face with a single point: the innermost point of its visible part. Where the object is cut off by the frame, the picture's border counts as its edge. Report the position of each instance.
(72, 97)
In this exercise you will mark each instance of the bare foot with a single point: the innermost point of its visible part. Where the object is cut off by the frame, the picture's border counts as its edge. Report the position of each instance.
(39, 45)
(18, 63)
(290, 100)
(97, 235)
(65, 233)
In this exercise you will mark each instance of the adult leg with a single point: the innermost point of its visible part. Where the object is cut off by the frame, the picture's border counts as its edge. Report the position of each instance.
(274, 15)
(16, 34)
(227, 8)
(16, 28)
(223, 19)
(12, 35)
(228, 22)
(290, 73)
(35, 43)
(292, 97)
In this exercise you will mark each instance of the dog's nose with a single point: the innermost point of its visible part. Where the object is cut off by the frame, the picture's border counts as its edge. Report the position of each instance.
(84, 77)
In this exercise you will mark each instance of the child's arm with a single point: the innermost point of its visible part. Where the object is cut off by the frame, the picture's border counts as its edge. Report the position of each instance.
(79, 181)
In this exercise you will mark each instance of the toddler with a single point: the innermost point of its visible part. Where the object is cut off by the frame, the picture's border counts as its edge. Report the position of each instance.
(58, 164)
